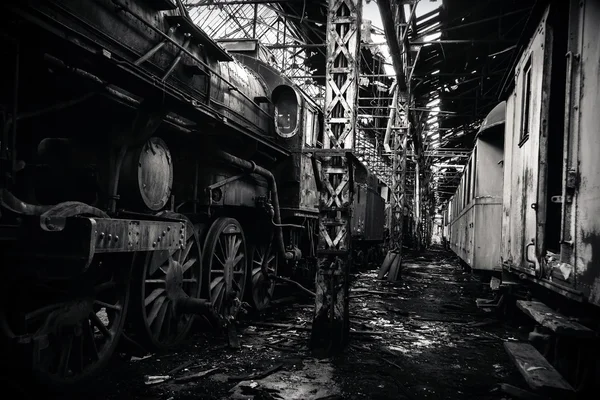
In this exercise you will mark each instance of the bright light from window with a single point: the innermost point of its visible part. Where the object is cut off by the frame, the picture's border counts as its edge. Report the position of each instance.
(434, 102)
(432, 37)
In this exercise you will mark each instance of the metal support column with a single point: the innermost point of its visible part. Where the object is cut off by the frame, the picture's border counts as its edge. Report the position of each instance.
(331, 325)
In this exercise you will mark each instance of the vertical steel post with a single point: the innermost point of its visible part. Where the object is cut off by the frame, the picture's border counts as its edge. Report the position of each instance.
(331, 325)
(254, 22)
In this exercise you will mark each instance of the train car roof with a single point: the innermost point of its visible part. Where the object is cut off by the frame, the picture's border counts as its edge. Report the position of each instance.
(494, 118)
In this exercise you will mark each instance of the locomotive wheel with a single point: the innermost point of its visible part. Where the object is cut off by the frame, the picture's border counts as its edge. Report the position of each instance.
(262, 287)
(76, 325)
(225, 260)
(159, 282)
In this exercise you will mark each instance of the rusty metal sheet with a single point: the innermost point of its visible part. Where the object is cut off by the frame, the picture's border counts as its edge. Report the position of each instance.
(117, 235)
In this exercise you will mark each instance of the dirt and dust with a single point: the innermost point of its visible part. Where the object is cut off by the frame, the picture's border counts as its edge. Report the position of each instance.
(419, 338)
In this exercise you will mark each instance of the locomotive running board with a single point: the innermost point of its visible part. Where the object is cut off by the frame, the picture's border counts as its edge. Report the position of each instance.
(78, 239)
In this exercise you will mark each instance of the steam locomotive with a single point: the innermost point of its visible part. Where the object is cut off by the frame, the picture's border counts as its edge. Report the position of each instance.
(147, 176)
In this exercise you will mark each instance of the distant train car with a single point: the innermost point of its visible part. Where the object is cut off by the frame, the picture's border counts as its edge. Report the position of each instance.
(474, 212)
(368, 216)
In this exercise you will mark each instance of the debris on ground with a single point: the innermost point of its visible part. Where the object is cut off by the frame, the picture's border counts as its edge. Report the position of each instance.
(420, 337)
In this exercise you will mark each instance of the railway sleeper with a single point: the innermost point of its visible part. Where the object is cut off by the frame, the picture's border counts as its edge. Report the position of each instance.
(560, 358)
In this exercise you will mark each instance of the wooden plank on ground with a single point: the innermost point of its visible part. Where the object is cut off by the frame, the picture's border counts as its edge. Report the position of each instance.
(556, 322)
(536, 370)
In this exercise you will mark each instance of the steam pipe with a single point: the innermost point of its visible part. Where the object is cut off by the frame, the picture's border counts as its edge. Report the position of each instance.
(252, 167)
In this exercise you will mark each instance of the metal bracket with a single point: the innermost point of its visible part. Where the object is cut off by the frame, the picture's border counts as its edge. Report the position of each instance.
(561, 199)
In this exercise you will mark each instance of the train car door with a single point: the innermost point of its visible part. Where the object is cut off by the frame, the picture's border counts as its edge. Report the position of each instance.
(556, 89)
(525, 155)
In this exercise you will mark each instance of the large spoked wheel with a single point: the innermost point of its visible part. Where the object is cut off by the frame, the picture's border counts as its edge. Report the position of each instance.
(160, 282)
(76, 324)
(225, 260)
(262, 286)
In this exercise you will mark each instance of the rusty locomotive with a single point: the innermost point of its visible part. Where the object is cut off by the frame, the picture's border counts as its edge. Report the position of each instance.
(148, 175)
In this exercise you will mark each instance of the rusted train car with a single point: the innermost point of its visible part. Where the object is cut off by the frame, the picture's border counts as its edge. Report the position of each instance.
(551, 171)
(368, 217)
(147, 175)
(549, 225)
(473, 215)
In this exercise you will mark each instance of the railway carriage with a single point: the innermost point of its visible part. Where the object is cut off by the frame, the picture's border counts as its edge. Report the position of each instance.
(473, 213)
(550, 185)
(551, 174)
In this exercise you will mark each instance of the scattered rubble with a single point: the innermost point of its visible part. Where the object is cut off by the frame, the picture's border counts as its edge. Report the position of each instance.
(421, 337)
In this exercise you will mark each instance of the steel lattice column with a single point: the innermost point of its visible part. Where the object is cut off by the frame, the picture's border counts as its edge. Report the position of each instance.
(331, 323)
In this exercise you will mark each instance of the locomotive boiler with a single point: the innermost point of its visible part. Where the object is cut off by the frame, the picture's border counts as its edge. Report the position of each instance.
(147, 176)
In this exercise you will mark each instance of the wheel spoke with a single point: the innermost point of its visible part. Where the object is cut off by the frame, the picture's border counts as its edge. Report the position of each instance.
(158, 259)
(215, 282)
(160, 319)
(155, 293)
(107, 305)
(89, 332)
(168, 320)
(105, 286)
(236, 245)
(189, 280)
(162, 281)
(188, 264)
(43, 311)
(187, 250)
(101, 327)
(223, 252)
(220, 292)
(237, 260)
(155, 309)
(65, 356)
(222, 262)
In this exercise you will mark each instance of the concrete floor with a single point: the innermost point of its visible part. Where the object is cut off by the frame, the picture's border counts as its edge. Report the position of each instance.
(419, 338)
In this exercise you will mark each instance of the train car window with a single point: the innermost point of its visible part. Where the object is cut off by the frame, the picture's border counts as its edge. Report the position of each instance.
(287, 111)
(468, 183)
(316, 129)
(526, 102)
(309, 126)
(474, 158)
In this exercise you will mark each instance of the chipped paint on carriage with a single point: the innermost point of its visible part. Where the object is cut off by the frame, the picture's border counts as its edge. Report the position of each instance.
(585, 141)
(574, 270)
